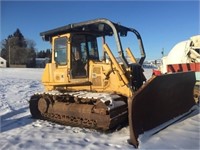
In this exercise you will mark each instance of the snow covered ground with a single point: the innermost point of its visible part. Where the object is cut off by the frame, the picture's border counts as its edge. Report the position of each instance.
(20, 131)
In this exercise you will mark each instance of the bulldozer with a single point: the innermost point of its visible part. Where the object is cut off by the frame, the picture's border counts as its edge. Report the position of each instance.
(85, 90)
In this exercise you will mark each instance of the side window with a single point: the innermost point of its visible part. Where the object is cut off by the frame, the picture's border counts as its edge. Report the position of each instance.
(92, 48)
(60, 48)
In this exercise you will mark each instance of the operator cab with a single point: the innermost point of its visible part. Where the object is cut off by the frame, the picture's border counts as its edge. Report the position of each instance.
(76, 53)
(75, 50)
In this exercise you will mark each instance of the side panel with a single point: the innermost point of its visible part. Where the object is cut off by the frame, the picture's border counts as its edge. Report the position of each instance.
(159, 100)
(183, 67)
(105, 78)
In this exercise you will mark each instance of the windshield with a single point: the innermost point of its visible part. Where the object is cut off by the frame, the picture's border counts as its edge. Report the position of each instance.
(60, 49)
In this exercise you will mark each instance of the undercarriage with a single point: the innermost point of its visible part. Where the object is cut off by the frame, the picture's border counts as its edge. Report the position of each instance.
(100, 111)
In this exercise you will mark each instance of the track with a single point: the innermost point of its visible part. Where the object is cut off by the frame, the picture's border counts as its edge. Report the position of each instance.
(83, 109)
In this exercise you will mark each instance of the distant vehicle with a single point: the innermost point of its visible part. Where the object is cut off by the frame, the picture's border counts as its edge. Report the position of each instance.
(183, 57)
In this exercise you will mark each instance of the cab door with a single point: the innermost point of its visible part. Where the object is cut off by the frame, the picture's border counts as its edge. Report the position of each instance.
(60, 61)
(83, 49)
(79, 57)
(79, 68)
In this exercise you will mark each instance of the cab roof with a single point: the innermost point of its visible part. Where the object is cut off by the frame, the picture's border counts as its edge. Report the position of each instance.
(97, 27)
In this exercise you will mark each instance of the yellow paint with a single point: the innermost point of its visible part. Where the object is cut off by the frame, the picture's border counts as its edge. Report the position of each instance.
(103, 76)
(131, 56)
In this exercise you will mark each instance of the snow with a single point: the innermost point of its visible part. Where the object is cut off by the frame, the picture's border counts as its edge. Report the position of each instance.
(20, 131)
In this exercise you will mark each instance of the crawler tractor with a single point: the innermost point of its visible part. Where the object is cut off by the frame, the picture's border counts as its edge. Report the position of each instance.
(86, 90)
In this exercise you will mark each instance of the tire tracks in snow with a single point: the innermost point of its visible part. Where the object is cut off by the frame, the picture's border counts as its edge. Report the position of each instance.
(14, 96)
(15, 93)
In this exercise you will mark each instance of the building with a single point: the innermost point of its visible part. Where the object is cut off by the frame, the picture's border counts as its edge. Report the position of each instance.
(41, 62)
(2, 63)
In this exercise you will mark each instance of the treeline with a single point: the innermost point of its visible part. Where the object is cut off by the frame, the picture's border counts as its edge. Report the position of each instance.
(18, 50)
(44, 54)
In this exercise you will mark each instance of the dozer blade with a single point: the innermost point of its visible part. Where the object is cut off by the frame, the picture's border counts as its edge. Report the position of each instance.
(159, 100)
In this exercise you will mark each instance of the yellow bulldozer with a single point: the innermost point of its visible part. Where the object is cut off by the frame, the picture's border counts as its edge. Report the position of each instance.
(85, 90)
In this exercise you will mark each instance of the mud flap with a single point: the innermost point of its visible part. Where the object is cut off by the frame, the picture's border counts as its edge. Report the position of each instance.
(159, 100)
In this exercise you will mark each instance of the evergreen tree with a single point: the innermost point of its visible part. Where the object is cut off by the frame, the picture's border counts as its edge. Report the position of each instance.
(44, 54)
(20, 40)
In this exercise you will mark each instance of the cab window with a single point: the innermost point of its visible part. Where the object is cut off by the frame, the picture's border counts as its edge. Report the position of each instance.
(92, 48)
(60, 49)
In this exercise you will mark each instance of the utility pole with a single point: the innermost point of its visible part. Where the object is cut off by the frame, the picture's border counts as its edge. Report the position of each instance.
(162, 52)
(9, 53)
